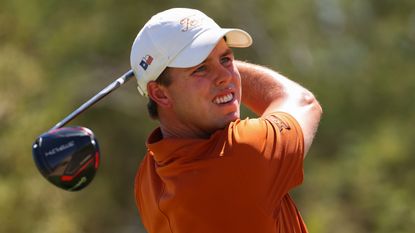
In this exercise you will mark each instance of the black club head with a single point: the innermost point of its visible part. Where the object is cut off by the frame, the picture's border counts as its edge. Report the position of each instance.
(68, 157)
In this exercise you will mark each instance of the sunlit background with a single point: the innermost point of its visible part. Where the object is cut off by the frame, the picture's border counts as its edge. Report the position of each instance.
(356, 56)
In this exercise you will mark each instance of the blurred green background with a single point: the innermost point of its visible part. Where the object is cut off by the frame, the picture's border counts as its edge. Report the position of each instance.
(356, 56)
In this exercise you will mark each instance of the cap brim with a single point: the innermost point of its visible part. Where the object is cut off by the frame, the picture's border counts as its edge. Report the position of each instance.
(200, 48)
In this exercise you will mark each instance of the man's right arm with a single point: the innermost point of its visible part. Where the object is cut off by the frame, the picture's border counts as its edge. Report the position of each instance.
(265, 91)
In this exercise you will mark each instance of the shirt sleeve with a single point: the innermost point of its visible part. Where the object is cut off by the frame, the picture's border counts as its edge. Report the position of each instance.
(275, 146)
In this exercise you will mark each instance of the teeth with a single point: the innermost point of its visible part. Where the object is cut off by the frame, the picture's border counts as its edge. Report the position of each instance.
(223, 99)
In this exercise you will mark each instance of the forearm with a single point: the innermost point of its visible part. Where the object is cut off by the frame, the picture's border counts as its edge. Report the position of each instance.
(262, 87)
(265, 91)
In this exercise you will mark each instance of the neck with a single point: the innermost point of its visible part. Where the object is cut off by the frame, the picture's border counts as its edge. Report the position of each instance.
(173, 127)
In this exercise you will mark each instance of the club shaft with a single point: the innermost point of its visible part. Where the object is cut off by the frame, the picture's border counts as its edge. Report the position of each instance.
(104, 92)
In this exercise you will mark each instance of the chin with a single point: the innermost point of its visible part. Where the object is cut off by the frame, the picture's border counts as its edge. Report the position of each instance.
(231, 118)
(224, 121)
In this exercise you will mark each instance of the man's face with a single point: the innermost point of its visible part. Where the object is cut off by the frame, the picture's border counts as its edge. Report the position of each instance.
(207, 97)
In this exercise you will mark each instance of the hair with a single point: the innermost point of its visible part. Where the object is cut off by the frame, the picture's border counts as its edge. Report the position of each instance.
(163, 79)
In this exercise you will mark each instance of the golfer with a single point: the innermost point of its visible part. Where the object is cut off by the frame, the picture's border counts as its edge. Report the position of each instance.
(206, 170)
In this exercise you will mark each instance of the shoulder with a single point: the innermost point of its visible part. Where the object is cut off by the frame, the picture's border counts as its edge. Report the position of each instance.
(275, 133)
(262, 127)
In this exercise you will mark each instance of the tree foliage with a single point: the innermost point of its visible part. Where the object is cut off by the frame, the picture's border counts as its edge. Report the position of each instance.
(356, 56)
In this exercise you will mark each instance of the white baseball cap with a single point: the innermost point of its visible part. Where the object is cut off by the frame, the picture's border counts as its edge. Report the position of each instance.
(181, 38)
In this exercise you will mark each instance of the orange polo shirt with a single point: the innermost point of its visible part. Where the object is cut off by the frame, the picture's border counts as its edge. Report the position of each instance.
(236, 181)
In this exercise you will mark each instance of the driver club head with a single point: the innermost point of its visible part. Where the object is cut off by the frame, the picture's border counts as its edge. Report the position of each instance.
(68, 157)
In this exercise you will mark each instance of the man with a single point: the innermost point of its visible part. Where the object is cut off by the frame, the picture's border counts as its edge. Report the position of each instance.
(206, 170)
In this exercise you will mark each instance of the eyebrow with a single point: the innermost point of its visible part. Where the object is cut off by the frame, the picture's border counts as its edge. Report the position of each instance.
(225, 53)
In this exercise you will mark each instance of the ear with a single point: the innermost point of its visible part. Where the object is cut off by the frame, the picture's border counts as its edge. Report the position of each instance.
(158, 93)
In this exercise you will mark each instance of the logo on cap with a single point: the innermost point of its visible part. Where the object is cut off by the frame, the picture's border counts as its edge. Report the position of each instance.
(191, 22)
(146, 61)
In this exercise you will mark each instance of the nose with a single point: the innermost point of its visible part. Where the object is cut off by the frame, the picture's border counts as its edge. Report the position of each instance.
(223, 75)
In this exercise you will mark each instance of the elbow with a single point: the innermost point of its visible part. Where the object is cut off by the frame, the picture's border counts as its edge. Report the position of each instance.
(309, 100)
(310, 119)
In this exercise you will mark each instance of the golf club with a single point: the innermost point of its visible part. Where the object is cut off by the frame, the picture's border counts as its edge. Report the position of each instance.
(68, 157)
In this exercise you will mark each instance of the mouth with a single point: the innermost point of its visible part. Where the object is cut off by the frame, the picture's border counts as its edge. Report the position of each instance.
(224, 99)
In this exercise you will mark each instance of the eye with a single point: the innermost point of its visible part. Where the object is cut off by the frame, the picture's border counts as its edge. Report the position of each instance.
(199, 70)
(226, 60)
